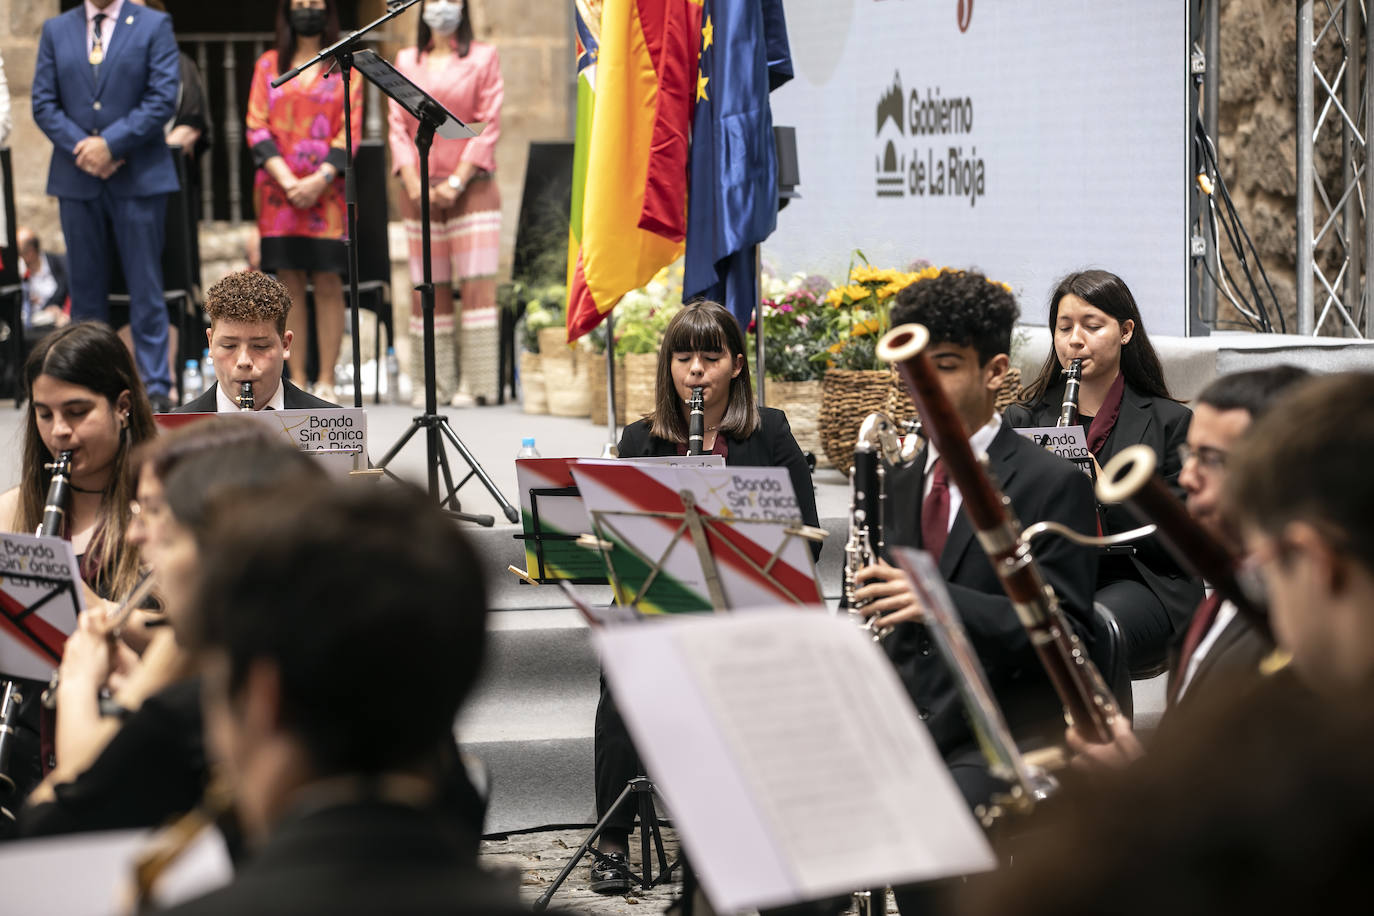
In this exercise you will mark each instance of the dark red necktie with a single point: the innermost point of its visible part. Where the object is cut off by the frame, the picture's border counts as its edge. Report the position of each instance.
(1203, 618)
(935, 512)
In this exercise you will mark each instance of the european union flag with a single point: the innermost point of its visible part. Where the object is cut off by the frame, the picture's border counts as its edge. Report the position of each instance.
(732, 205)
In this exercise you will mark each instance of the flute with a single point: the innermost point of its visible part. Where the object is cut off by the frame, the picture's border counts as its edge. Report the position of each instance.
(59, 495)
(1130, 478)
(1088, 703)
(696, 423)
(1068, 411)
(245, 397)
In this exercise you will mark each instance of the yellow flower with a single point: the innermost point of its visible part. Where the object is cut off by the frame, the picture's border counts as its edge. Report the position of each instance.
(863, 328)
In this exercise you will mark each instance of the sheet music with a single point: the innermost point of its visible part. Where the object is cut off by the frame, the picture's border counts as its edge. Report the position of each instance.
(37, 875)
(790, 756)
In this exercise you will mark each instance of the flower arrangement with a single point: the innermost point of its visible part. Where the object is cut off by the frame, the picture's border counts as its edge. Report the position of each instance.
(543, 309)
(643, 314)
(792, 313)
(859, 312)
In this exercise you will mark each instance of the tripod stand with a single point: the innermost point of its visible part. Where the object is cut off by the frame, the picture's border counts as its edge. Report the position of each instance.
(649, 834)
(432, 117)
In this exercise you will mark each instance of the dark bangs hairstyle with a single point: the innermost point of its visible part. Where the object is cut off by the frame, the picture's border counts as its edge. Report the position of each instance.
(961, 307)
(1107, 292)
(286, 35)
(424, 36)
(89, 354)
(702, 325)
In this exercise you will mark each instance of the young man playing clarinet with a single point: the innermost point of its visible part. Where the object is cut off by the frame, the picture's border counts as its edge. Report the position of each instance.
(970, 320)
(249, 343)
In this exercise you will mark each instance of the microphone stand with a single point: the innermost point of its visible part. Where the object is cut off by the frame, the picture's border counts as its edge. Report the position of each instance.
(341, 53)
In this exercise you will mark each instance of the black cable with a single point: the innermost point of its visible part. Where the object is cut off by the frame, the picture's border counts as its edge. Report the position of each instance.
(1236, 231)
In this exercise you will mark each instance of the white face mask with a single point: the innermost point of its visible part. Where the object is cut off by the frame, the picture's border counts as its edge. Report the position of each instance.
(443, 17)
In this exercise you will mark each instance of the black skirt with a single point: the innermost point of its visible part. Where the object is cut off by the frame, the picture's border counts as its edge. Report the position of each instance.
(294, 252)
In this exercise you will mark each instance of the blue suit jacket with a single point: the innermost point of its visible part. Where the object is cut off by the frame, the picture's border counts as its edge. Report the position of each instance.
(129, 105)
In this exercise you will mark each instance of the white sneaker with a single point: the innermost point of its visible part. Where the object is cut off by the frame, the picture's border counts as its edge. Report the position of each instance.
(462, 399)
(325, 391)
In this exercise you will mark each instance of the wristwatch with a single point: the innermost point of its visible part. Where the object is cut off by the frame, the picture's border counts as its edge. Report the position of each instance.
(455, 183)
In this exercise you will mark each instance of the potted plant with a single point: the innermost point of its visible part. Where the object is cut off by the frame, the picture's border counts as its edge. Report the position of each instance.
(793, 326)
(641, 317)
(856, 382)
(541, 313)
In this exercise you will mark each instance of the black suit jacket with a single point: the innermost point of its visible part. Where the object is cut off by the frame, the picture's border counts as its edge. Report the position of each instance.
(1161, 424)
(293, 398)
(1236, 654)
(1041, 486)
(771, 446)
(57, 265)
(363, 858)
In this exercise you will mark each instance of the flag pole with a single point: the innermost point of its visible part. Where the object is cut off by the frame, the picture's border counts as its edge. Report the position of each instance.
(758, 321)
(610, 450)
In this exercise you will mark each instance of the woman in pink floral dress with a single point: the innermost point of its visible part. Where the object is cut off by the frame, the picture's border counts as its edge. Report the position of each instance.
(297, 135)
(465, 206)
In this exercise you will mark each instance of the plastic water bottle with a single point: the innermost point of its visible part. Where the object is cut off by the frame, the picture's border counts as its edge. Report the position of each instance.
(191, 382)
(393, 377)
(207, 369)
(527, 449)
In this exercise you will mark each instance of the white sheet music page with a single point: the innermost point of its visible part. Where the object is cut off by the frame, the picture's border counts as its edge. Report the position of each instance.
(790, 756)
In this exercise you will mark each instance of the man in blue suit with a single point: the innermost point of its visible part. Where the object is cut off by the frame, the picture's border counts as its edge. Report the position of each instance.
(104, 85)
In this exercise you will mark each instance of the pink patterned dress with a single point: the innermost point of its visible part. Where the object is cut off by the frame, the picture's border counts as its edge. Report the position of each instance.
(303, 122)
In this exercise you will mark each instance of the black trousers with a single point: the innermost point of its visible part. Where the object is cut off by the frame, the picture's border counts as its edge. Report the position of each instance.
(616, 762)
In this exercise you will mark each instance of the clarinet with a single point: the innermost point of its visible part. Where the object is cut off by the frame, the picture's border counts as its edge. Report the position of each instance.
(245, 397)
(696, 423)
(1088, 703)
(878, 445)
(1068, 412)
(1130, 478)
(59, 495)
(11, 696)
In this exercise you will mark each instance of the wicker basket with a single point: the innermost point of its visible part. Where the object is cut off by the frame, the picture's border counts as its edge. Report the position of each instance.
(900, 408)
(801, 401)
(847, 396)
(533, 397)
(596, 373)
(565, 374)
(641, 373)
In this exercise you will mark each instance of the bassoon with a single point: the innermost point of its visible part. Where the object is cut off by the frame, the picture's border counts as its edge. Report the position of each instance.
(1088, 703)
(1130, 478)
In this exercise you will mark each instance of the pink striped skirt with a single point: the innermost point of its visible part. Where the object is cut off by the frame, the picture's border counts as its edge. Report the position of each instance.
(465, 239)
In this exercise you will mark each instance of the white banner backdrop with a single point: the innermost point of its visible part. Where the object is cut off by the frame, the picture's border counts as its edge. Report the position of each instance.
(1036, 139)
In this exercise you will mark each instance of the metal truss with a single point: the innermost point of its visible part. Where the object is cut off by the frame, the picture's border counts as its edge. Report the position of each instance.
(1333, 220)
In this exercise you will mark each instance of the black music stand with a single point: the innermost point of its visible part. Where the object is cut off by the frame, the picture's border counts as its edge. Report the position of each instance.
(433, 118)
(341, 53)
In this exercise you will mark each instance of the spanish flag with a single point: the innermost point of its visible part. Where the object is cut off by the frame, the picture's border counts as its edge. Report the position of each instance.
(637, 80)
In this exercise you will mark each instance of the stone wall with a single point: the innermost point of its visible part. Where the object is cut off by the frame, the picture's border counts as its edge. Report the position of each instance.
(30, 150)
(1257, 148)
(534, 38)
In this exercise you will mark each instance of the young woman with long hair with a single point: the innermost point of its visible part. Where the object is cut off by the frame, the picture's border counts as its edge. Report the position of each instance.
(702, 347)
(84, 396)
(1123, 400)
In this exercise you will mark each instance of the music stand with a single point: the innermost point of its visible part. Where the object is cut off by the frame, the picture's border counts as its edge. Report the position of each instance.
(341, 53)
(433, 118)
